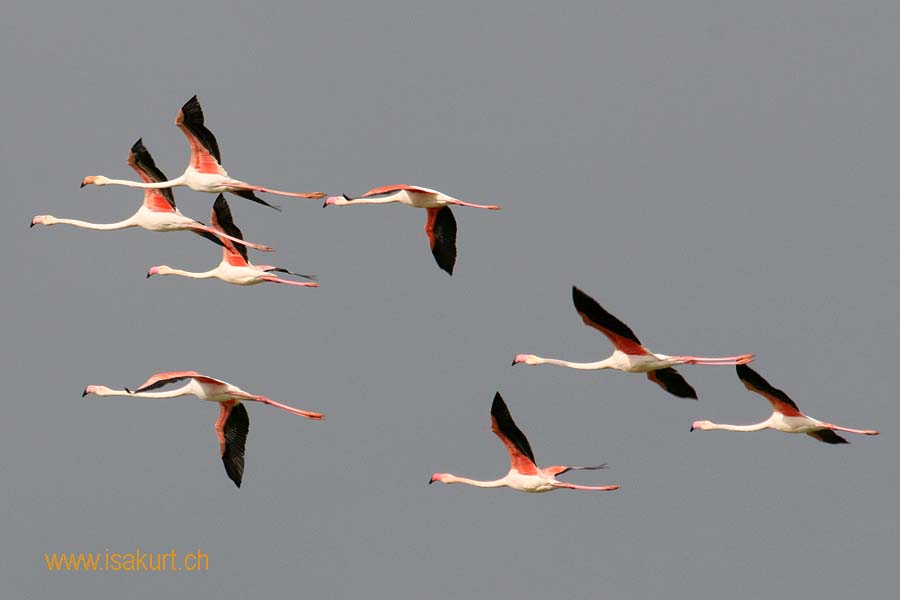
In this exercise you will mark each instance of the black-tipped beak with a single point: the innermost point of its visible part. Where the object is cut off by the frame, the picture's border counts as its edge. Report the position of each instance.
(82, 184)
(148, 275)
(430, 481)
(31, 224)
(692, 427)
(514, 363)
(84, 393)
(324, 204)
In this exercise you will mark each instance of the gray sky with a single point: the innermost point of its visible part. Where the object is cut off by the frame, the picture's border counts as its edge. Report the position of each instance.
(724, 179)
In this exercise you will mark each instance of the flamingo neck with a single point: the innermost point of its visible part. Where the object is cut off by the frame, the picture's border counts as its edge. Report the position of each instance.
(157, 185)
(754, 427)
(164, 270)
(105, 391)
(129, 222)
(368, 200)
(448, 478)
(603, 364)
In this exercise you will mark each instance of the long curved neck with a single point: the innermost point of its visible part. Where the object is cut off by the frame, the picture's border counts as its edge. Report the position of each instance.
(168, 394)
(371, 200)
(158, 185)
(483, 484)
(754, 427)
(602, 364)
(129, 222)
(204, 275)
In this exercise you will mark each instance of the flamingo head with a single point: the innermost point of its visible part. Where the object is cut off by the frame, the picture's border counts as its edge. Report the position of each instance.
(342, 200)
(94, 179)
(528, 359)
(436, 477)
(43, 220)
(159, 270)
(700, 425)
(95, 389)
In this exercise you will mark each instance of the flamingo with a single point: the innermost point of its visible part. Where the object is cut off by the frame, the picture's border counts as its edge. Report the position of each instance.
(523, 475)
(157, 213)
(785, 417)
(204, 173)
(440, 226)
(233, 422)
(629, 355)
(234, 267)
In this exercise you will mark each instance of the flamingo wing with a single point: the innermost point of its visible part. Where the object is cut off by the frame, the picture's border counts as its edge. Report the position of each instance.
(161, 379)
(139, 159)
(235, 254)
(780, 401)
(594, 315)
(205, 156)
(521, 457)
(671, 380)
(390, 189)
(828, 436)
(232, 438)
(441, 230)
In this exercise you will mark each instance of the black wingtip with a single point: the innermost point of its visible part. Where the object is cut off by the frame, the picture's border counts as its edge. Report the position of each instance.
(129, 391)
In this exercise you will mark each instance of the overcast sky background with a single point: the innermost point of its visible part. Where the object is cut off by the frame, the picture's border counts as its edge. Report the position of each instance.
(724, 179)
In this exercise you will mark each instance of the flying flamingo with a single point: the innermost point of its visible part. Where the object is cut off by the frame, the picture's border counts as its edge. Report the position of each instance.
(440, 225)
(785, 417)
(523, 475)
(204, 173)
(157, 213)
(233, 422)
(234, 267)
(629, 355)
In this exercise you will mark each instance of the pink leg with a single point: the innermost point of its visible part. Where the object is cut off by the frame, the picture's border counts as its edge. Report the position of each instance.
(572, 486)
(743, 359)
(488, 207)
(221, 234)
(287, 282)
(848, 430)
(303, 413)
(259, 188)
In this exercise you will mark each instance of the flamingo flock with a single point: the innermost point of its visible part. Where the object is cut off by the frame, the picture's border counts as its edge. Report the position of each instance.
(205, 173)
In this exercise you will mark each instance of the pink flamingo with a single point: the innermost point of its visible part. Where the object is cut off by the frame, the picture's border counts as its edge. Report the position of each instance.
(629, 355)
(440, 227)
(233, 422)
(234, 268)
(524, 475)
(204, 173)
(785, 416)
(157, 213)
